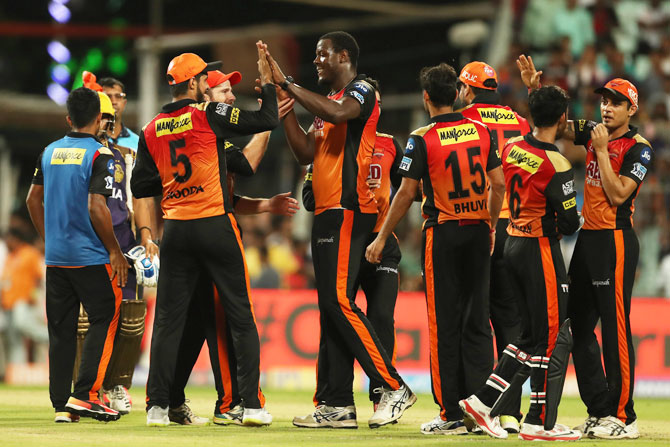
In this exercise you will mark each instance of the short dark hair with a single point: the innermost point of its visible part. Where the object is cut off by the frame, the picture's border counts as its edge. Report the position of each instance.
(83, 106)
(490, 82)
(182, 87)
(342, 40)
(547, 104)
(112, 82)
(440, 84)
(374, 83)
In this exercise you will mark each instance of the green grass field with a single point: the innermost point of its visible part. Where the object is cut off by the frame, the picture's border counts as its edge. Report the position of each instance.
(26, 420)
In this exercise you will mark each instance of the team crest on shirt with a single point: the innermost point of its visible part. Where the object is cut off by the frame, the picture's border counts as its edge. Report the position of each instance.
(118, 173)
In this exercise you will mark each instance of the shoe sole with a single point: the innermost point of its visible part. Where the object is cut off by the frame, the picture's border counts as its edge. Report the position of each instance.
(526, 437)
(456, 432)
(411, 401)
(591, 435)
(88, 413)
(347, 425)
(157, 424)
(249, 422)
(471, 414)
(225, 422)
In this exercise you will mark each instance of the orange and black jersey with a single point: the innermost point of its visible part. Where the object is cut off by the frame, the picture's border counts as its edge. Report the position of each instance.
(540, 186)
(451, 155)
(503, 122)
(343, 151)
(181, 154)
(386, 159)
(630, 156)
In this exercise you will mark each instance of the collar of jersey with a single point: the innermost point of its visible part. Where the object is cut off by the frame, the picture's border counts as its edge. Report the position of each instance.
(171, 107)
(81, 135)
(358, 77)
(491, 97)
(530, 139)
(447, 117)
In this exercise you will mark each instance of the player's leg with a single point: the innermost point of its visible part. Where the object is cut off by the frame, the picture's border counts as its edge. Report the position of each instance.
(180, 269)
(101, 297)
(380, 284)
(62, 308)
(190, 345)
(223, 256)
(348, 232)
(589, 270)
(618, 349)
(505, 318)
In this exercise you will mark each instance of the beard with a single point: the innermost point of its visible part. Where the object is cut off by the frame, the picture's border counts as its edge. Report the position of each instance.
(200, 95)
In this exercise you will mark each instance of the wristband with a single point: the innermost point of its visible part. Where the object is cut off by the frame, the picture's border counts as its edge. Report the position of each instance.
(287, 80)
(492, 230)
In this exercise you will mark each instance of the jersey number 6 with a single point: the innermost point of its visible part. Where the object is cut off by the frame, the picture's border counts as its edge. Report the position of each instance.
(514, 197)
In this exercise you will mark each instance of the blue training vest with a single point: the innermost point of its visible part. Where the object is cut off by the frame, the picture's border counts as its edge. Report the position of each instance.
(70, 239)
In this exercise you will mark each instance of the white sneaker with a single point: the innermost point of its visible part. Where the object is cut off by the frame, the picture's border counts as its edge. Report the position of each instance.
(509, 423)
(474, 409)
(119, 399)
(158, 417)
(183, 415)
(256, 417)
(560, 432)
(438, 426)
(325, 416)
(587, 425)
(611, 427)
(392, 405)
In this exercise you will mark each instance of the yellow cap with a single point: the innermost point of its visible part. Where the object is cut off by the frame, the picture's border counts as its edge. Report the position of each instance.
(106, 104)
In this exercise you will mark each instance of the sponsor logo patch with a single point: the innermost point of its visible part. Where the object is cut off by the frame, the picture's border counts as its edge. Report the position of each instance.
(405, 163)
(410, 146)
(174, 125)
(524, 159)
(109, 182)
(358, 97)
(222, 108)
(458, 134)
(361, 87)
(325, 240)
(570, 203)
(599, 283)
(111, 166)
(645, 155)
(234, 115)
(568, 187)
(497, 115)
(185, 192)
(639, 171)
(67, 156)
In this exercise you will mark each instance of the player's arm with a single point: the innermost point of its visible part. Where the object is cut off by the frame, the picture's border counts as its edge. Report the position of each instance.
(100, 188)
(281, 205)
(395, 176)
(227, 121)
(412, 168)
(307, 191)
(561, 195)
(301, 143)
(145, 180)
(255, 149)
(35, 198)
(144, 212)
(496, 180)
(618, 188)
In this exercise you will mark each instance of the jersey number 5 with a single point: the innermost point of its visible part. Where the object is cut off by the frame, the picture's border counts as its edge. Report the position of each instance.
(475, 169)
(181, 158)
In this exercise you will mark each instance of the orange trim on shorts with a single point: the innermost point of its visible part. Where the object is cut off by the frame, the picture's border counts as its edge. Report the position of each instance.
(236, 230)
(551, 289)
(109, 339)
(622, 335)
(222, 353)
(429, 273)
(345, 304)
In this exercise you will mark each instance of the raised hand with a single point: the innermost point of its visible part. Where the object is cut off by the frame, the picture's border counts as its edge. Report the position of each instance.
(277, 75)
(285, 106)
(600, 138)
(529, 75)
(263, 64)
